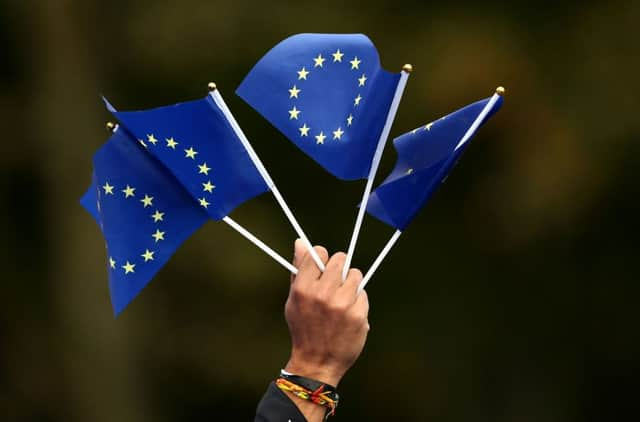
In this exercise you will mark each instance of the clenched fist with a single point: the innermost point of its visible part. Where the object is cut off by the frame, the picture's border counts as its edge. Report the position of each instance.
(327, 317)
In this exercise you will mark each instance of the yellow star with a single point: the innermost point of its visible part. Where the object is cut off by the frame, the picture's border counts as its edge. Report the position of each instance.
(171, 143)
(302, 74)
(142, 143)
(362, 80)
(112, 263)
(158, 235)
(203, 169)
(293, 113)
(108, 189)
(304, 130)
(337, 56)
(320, 138)
(428, 126)
(349, 120)
(318, 61)
(151, 139)
(157, 216)
(148, 255)
(208, 187)
(203, 202)
(357, 100)
(355, 63)
(128, 191)
(191, 153)
(147, 201)
(409, 171)
(337, 134)
(293, 92)
(128, 267)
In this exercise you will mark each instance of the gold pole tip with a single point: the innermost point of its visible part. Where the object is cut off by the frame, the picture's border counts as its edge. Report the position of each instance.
(212, 86)
(500, 90)
(407, 68)
(110, 126)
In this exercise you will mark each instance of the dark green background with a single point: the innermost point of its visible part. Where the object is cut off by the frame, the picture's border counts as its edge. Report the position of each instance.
(512, 297)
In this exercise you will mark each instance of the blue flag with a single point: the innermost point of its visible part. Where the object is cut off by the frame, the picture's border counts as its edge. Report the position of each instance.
(426, 155)
(196, 143)
(328, 94)
(143, 211)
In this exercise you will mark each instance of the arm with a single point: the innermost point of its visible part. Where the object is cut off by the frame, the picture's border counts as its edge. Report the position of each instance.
(328, 325)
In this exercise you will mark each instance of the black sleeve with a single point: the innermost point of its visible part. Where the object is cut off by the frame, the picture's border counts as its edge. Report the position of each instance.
(275, 406)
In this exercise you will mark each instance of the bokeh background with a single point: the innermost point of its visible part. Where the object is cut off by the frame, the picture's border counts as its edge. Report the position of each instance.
(512, 297)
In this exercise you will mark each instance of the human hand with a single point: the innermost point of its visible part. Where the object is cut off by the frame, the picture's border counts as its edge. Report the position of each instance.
(327, 318)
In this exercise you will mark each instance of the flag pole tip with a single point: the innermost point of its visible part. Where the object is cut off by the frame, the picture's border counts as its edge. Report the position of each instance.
(212, 86)
(500, 90)
(407, 68)
(110, 126)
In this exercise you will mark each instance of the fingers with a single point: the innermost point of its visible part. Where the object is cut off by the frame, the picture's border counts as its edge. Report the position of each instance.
(308, 270)
(354, 277)
(332, 275)
(361, 307)
(298, 254)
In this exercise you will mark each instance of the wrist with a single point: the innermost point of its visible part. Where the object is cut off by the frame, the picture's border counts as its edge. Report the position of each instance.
(328, 374)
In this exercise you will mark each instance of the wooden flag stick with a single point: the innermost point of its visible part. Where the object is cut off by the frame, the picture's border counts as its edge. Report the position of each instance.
(260, 244)
(217, 98)
(406, 70)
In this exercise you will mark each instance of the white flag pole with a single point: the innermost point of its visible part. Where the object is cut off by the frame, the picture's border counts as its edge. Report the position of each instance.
(472, 129)
(406, 70)
(273, 254)
(379, 260)
(217, 98)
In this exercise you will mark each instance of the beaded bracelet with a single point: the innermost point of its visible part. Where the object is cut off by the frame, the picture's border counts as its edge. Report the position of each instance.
(307, 389)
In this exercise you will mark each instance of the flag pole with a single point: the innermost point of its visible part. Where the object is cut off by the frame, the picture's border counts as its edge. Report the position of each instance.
(266, 249)
(217, 98)
(379, 260)
(500, 91)
(406, 70)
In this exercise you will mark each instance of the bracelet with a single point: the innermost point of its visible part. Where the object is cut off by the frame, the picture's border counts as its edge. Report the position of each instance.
(308, 389)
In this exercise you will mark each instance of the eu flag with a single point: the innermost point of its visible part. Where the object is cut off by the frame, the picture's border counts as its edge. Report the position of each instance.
(426, 155)
(328, 94)
(197, 144)
(143, 211)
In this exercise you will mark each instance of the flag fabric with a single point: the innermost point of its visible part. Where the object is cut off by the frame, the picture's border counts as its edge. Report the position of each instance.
(144, 213)
(89, 200)
(328, 94)
(197, 144)
(426, 155)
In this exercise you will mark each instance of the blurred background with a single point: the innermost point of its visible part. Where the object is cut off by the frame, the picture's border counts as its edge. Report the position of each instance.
(512, 297)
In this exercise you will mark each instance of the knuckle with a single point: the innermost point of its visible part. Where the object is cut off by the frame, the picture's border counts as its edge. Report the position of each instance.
(339, 256)
(339, 307)
(357, 318)
(355, 274)
(322, 251)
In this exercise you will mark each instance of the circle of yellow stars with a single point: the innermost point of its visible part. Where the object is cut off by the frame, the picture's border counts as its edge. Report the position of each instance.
(147, 201)
(295, 91)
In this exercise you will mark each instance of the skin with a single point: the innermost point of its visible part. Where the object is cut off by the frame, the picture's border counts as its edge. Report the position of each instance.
(327, 321)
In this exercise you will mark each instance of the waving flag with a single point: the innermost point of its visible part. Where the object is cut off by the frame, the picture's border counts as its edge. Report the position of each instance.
(196, 143)
(426, 155)
(143, 211)
(328, 94)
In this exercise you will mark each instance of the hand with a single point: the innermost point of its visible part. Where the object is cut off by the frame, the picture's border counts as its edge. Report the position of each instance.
(327, 318)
